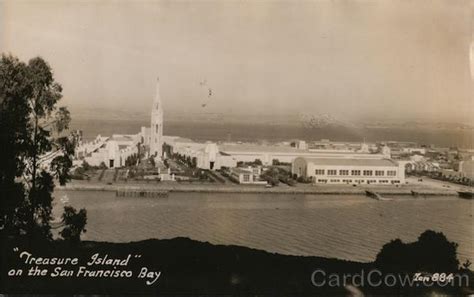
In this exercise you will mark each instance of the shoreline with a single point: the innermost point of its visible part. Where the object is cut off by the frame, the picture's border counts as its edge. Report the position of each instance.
(250, 189)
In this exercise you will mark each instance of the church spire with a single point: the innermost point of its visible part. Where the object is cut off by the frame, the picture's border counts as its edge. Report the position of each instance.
(157, 102)
(156, 140)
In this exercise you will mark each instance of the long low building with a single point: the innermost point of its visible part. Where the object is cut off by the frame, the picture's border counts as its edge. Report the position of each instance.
(268, 153)
(207, 155)
(214, 156)
(349, 171)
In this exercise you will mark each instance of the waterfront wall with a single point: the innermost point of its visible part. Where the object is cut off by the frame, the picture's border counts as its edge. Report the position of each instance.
(326, 189)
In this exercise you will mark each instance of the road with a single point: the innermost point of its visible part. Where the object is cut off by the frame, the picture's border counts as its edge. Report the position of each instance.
(436, 184)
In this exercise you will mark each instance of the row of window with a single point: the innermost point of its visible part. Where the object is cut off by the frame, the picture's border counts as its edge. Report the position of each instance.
(358, 181)
(344, 172)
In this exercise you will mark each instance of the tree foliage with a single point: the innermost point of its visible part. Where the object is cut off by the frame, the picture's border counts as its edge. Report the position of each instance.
(152, 161)
(132, 160)
(75, 223)
(33, 150)
(432, 252)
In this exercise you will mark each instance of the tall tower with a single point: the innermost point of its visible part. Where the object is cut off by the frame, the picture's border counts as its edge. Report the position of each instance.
(156, 140)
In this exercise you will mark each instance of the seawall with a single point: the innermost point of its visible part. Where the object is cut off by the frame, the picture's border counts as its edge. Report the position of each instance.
(282, 189)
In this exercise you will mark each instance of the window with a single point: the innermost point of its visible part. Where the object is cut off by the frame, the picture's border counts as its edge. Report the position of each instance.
(378, 172)
(392, 173)
(332, 172)
(367, 172)
(355, 172)
(322, 180)
(246, 177)
(335, 180)
(343, 172)
(319, 171)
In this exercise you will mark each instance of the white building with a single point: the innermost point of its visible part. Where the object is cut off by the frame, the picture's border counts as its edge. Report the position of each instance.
(414, 150)
(326, 144)
(466, 168)
(114, 150)
(214, 156)
(421, 166)
(268, 153)
(86, 148)
(349, 170)
(208, 155)
(248, 175)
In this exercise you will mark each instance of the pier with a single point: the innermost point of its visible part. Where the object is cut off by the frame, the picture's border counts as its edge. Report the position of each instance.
(141, 193)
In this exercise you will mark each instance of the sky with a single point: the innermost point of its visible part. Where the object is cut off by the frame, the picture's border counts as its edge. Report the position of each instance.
(351, 59)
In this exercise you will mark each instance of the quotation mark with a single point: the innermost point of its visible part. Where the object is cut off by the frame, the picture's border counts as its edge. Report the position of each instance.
(15, 249)
(138, 256)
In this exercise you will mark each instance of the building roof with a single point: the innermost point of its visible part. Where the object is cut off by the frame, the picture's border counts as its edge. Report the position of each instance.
(121, 137)
(177, 139)
(247, 148)
(352, 162)
(241, 170)
(280, 149)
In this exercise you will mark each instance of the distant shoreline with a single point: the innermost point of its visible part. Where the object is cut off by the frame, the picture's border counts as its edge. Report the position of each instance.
(271, 132)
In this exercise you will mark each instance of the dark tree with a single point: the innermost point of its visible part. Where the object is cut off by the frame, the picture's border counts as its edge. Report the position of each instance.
(32, 150)
(74, 222)
(14, 125)
(432, 252)
(167, 150)
(86, 166)
(436, 252)
(152, 162)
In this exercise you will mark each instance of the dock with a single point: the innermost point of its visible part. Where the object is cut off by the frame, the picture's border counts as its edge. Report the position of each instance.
(142, 193)
(376, 196)
(466, 194)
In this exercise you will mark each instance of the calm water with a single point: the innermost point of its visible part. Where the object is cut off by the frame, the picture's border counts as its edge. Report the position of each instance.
(346, 227)
(252, 132)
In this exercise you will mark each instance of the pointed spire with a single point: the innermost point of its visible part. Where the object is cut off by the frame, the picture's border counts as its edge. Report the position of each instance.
(156, 124)
(157, 101)
(157, 87)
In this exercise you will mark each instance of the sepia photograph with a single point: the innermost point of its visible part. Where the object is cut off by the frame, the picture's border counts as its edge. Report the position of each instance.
(236, 148)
